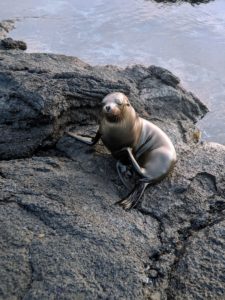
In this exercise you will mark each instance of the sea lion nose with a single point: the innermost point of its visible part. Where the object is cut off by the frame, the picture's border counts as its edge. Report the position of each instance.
(107, 108)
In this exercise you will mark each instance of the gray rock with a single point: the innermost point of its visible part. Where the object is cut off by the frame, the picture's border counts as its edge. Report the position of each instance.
(43, 94)
(192, 2)
(62, 236)
(5, 27)
(199, 273)
(74, 242)
(9, 43)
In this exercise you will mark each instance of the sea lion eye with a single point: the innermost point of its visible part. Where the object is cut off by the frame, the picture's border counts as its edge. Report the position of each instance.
(119, 102)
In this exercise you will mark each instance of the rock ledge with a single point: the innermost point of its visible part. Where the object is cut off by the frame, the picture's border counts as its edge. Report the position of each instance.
(62, 236)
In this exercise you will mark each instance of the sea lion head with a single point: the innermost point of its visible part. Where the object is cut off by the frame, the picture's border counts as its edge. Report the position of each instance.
(114, 106)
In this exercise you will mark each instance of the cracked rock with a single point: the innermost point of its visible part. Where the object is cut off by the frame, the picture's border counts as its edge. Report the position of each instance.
(61, 235)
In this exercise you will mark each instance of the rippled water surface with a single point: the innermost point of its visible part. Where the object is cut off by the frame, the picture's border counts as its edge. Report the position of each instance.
(188, 40)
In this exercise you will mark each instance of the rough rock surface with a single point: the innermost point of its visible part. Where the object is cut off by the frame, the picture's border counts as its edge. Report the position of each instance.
(5, 27)
(193, 2)
(41, 94)
(61, 235)
(9, 43)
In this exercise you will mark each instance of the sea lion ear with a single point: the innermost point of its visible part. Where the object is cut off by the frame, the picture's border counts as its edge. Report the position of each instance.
(127, 100)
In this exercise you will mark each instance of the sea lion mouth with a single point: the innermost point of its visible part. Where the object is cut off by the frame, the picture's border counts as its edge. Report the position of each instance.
(113, 118)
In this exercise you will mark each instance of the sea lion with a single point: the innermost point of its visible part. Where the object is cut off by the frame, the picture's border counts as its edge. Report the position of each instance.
(128, 136)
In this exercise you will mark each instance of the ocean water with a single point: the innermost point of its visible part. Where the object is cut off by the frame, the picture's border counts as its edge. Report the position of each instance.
(188, 40)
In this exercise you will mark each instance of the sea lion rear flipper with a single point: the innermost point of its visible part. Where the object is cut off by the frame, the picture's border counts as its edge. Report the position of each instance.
(122, 172)
(134, 198)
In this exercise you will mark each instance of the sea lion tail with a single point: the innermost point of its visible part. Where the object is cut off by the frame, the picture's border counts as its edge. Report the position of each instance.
(134, 197)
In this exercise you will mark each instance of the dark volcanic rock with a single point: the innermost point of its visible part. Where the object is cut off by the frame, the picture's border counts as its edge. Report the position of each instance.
(193, 2)
(9, 43)
(201, 276)
(73, 242)
(62, 236)
(42, 94)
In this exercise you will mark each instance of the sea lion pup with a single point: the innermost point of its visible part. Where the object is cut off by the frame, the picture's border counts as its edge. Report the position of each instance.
(148, 148)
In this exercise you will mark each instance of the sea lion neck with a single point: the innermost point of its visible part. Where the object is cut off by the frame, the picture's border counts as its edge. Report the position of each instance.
(129, 116)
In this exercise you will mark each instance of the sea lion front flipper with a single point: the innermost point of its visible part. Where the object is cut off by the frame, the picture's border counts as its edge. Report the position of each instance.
(140, 171)
(134, 197)
(85, 139)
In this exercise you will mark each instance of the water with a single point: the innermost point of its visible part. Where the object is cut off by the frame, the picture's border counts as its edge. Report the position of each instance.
(188, 40)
